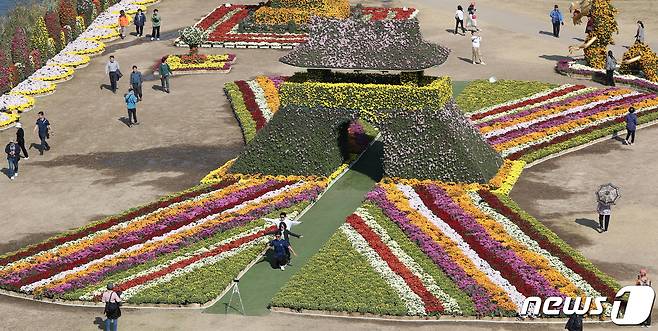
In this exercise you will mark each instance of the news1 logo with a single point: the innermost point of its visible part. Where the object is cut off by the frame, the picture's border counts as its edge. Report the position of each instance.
(638, 307)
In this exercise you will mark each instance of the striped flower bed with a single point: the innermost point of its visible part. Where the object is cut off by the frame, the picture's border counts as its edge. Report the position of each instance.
(454, 249)
(222, 25)
(537, 126)
(212, 231)
(254, 102)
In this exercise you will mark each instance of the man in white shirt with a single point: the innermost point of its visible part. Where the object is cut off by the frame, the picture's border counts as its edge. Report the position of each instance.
(112, 68)
(475, 40)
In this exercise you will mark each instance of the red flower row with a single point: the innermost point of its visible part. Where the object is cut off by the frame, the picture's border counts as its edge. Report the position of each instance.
(589, 276)
(213, 17)
(495, 261)
(183, 263)
(568, 136)
(38, 273)
(112, 221)
(379, 14)
(432, 303)
(527, 102)
(250, 101)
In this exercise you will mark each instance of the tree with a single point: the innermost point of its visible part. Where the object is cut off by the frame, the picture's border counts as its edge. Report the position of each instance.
(54, 29)
(67, 13)
(20, 53)
(86, 10)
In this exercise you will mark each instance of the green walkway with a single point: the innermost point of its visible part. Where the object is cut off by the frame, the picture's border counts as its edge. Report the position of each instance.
(259, 285)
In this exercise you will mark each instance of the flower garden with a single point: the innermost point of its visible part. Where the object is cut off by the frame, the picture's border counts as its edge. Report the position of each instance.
(197, 63)
(255, 26)
(60, 42)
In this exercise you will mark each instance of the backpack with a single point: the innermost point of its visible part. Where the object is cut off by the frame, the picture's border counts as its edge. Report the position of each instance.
(112, 309)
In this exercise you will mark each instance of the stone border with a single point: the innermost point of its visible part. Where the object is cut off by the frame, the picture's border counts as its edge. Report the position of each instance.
(418, 319)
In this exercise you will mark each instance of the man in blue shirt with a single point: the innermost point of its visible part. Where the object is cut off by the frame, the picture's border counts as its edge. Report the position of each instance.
(136, 82)
(139, 21)
(280, 247)
(43, 128)
(557, 20)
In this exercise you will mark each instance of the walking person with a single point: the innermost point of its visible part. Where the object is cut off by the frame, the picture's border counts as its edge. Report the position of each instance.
(131, 103)
(473, 20)
(604, 210)
(123, 23)
(643, 280)
(13, 152)
(459, 19)
(113, 69)
(281, 247)
(139, 21)
(631, 125)
(112, 309)
(43, 128)
(165, 72)
(575, 323)
(639, 35)
(476, 57)
(557, 20)
(610, 67)
(20, 139)
(136, 82)
(155, 24)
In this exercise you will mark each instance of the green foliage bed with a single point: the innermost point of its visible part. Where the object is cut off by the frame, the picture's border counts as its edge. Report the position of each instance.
(481, 94)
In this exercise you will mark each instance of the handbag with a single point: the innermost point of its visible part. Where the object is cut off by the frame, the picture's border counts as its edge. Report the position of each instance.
(119, 74)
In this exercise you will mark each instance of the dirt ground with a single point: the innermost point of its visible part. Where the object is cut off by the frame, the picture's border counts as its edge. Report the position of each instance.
(98, 166)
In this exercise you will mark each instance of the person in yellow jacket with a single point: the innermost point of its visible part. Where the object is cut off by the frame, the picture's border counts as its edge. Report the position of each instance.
(123, 23)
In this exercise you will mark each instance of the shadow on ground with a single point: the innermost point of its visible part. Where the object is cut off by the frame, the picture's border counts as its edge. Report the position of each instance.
(190, 161)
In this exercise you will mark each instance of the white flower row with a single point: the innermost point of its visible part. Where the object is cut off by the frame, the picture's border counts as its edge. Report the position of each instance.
(126, 6)
(11, 101)
(449, 303)
(92, 294)
(95, 33)
(192, 267)
(51, 72)
(106, 19)
(32, 86)
(4, 117)
(80, 45)
(111, 229)
(65, 59)
(412, 301)
(125, 251)
(577, 109)
(494, 275)
(261, 101)
(547, 138)
(515, 232)
(536, 105)
(515, 101)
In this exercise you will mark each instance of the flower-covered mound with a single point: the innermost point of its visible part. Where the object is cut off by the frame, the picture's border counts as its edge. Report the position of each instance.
(183, 249)
(558, 119)
(425, 248)
(234, 26)
(355, 44)
(580, 68)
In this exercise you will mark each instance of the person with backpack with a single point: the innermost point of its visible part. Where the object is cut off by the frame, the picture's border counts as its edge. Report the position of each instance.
(112, 309)
(131, 103)
(575, 323)
(155, 23)
(13, 152)
(20, 139)
(165, 72)
(139, 21)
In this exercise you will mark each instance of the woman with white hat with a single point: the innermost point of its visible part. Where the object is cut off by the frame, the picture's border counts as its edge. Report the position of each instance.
(20, 139)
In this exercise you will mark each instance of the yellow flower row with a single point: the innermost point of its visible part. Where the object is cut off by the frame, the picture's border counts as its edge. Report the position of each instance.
(91, 51)
(11, 118)
(131, 11)
(84, 59)
(507, 176)
(271, 93)
(554, 110)
(213, 62)
(28, 104)
(217, 174)
(42, 91)
(63, 76)
(176, 237)
(499, 296)
(117, 234)
(617, 111)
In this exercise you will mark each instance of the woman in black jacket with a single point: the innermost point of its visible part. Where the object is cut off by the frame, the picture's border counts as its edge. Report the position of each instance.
(20, 139)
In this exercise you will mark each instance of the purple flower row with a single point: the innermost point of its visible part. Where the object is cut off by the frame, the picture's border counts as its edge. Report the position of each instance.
(565, 67)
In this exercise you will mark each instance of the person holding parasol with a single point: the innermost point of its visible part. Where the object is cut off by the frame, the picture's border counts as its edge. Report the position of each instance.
(606, 196)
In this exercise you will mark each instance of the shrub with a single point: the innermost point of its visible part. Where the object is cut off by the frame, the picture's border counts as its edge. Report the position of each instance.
(298, 141)
(20, 53)
(86, 9)
(67, 12)
(35, 59)
(481, 94)
(52, 48)
(54, 29)
(460, 155)
(79, 26)
(193, 36)
(40, 39)
(5, 75)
